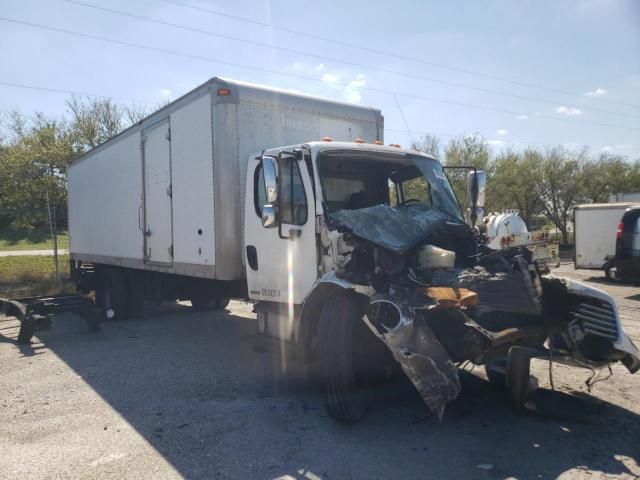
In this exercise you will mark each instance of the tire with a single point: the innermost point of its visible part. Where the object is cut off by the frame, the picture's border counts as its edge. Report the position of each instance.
(346, 395)
(135, 287)
(27, 329)
(112, 293)
(496, 373)
(609, 264)
(202, 302)
(221, 303)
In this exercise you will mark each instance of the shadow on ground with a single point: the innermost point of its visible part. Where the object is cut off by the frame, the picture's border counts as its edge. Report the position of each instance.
(217, 403)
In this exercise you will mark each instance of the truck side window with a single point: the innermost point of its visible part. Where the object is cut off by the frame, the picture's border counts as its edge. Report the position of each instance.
(293, 199)
(259, 191)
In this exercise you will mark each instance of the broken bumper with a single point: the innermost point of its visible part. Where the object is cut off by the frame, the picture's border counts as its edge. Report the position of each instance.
(595, 316)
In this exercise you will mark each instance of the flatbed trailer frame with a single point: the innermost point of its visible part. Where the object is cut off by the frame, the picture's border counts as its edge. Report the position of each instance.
(35, 313)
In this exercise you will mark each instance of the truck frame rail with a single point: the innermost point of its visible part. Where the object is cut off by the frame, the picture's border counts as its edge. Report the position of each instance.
(35, 313)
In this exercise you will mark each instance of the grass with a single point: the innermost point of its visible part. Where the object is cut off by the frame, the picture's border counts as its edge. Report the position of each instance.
(33, 275)
(32, 239)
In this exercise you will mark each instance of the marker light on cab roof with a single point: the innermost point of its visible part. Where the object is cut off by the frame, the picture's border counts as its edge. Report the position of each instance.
(327, 139)
(359, 140)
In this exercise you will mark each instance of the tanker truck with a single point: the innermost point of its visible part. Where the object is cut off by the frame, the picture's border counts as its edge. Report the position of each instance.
(507, 229)
(354, 253)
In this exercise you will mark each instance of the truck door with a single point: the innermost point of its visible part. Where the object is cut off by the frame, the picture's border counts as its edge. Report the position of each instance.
(158, 216)
(280, 256)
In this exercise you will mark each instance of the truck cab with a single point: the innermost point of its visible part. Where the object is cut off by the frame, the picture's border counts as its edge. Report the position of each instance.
(297, 196)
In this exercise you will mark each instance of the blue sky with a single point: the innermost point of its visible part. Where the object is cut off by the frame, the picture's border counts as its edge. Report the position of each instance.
(590, 48)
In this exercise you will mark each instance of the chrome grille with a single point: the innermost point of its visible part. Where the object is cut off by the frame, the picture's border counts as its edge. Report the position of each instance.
(597, 319)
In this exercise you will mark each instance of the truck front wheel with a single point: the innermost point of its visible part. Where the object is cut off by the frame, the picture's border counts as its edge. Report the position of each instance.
(342, 361)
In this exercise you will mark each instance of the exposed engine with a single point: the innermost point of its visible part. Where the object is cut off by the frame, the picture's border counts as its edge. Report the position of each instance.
(437, 298)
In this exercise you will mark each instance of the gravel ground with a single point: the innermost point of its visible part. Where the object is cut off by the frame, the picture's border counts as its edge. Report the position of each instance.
(198, 395)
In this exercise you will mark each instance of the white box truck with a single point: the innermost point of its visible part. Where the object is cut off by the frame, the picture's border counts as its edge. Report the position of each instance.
(594, 227)
(354, 252)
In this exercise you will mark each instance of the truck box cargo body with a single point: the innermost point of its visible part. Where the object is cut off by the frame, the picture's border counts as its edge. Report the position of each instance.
(167, 194)
(595, 232)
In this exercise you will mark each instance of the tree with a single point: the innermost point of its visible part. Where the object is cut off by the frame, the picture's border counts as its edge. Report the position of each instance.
(513, 183)
(471, 150)
(560, 188)
(608, 175)
(32, 166)
(94, 121)
(428, 144)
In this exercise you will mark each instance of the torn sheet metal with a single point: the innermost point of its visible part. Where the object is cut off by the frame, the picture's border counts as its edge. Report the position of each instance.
(511, 292)
(421, 356)
(397, 229)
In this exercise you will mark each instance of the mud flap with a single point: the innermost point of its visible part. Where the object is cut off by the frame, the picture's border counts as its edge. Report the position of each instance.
(421, 356)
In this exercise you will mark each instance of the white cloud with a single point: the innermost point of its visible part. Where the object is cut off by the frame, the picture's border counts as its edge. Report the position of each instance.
(598, 92)
(607, 149)
(352, 92)
(623, 147)
(330, 78)
(338, 83)
(494, 142)
(165, 92)
(522, 117)
(502, 132)
(569, 111)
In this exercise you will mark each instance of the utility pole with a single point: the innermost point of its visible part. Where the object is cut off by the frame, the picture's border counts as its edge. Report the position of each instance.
(54, 237)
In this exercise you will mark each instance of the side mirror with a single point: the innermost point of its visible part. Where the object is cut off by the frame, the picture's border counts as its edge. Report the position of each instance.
(477, 187)
(270, 174)
(269, 216)
(270, 171)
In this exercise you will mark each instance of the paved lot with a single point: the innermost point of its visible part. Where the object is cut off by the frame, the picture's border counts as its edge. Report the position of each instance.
(198, 395)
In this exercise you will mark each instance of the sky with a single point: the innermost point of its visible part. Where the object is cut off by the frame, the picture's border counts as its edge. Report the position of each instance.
(538, 73)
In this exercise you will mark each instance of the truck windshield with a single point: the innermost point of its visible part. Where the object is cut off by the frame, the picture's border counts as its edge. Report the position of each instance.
(354, 180)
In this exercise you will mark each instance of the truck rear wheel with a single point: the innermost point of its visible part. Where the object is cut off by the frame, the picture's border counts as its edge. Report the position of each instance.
(111, 294)
(205, 302)
(222, 303)
(345, 388)
(135, 297)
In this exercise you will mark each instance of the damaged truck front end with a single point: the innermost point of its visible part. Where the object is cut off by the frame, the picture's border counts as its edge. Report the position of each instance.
(410, 269)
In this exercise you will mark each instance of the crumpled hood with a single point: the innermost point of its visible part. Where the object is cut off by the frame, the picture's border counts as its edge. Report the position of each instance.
(397, 229)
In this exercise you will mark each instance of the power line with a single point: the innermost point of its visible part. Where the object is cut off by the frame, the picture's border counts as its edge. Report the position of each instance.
(396, 55)
(304, 77)
(396, 130)
(505, 141)
(331, 59)
(72, 92)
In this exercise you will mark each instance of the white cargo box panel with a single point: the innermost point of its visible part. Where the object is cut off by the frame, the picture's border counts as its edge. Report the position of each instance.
(167, 194)
(595, 228)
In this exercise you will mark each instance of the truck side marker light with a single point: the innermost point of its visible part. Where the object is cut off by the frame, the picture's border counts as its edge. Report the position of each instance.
(223, 92)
